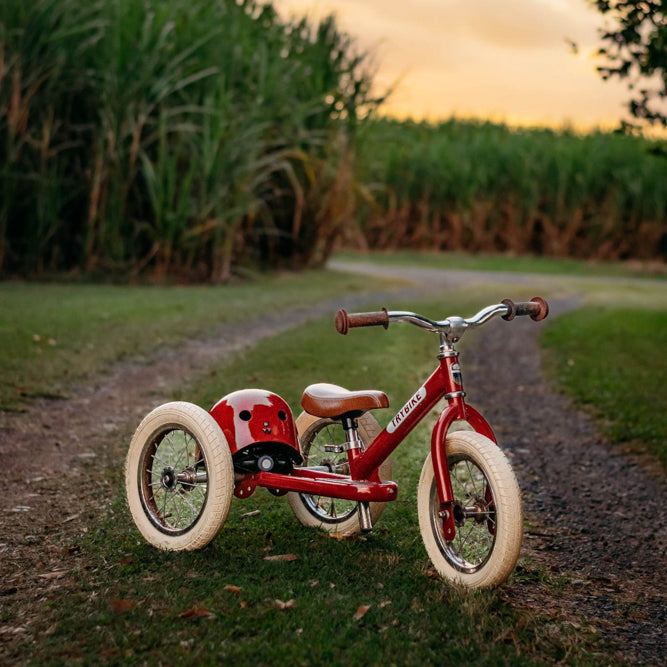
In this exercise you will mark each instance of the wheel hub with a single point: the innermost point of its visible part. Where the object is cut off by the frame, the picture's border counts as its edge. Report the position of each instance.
(477, 509)
(481, 509)
(169, 479)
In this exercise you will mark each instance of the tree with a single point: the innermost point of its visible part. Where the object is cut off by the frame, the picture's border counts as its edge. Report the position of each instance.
(635, 48)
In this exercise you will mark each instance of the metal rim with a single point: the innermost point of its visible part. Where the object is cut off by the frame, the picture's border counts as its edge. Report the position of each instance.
(324, 508)
(173, 480)
(474, 513)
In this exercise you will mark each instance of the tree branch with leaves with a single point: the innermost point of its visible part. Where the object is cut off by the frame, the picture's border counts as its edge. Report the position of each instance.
(635, 48)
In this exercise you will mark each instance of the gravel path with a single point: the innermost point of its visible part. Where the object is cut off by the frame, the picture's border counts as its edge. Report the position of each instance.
(596, 516)
(581, 495)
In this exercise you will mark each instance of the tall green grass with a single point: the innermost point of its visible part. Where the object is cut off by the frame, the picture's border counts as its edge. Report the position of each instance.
(183, 138)
(174, 137)
(484, 187)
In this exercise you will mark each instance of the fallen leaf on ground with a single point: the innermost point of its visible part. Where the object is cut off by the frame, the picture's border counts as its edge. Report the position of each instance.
(361, 612)
(120, 606)
(52, 575)
(247, 515)
(314, 582)
(287, 557)
(233, 589)
(13, 630)
(197, 612)
(384, 604)
(284, 605)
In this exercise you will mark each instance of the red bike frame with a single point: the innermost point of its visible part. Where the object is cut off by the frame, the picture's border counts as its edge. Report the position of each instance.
(364, 484)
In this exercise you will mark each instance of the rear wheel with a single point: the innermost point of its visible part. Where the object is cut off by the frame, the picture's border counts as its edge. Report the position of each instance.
(333, 515)
(179, 477)
(487, 511)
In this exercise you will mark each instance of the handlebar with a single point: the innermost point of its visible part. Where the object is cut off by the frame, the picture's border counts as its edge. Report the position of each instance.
(344, 321)
(453, 327)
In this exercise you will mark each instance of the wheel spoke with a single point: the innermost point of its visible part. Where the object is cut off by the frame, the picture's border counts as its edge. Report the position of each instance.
(159, 460)
(471, 477)
(174, 449)
(191, 506)
(178, 511)
(164, 504)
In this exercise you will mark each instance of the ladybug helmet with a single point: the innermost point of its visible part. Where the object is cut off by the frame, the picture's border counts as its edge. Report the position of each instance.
(260, 430)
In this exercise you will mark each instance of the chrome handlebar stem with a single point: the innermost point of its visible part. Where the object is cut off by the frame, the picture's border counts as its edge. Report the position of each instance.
(452, 328)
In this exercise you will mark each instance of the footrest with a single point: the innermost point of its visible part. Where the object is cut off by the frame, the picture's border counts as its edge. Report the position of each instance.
(327, 484)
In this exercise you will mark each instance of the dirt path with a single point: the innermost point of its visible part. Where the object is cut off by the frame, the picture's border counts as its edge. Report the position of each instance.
(582, 497)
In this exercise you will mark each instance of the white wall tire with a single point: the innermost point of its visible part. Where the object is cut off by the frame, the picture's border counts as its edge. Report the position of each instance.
(179, 477)
(333, 516)
(485, 550)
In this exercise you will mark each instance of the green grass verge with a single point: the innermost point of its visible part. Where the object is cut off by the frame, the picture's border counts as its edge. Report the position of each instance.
(51, 334)
(520, 264)
(614, 361)
(413, 618)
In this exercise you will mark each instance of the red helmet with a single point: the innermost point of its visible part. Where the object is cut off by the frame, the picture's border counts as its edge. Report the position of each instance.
(260, 430)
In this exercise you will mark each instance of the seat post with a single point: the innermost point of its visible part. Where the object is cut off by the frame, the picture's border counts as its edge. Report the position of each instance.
(353, 442)
(352, 439)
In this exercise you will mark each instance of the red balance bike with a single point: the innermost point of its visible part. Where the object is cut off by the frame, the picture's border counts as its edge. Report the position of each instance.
(185, 464)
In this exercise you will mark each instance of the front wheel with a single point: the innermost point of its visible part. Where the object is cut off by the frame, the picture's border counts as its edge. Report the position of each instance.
(179, 477)
(487, 511)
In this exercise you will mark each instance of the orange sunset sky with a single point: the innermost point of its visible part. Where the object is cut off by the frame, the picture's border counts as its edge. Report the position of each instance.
(506, 60)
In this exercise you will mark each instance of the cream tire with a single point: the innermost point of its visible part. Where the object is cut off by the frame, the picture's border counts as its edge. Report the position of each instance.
(302, 505)
(484, 551)
(179, 477)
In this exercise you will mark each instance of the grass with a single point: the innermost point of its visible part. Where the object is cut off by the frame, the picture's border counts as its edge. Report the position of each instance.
(53, 334)
(514, 264)
(132, 604)
(613, 360)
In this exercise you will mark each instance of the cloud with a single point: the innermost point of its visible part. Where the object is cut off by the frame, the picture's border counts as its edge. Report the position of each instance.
(482, 57)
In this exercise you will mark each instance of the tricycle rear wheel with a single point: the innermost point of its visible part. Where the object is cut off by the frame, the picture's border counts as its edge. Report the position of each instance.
(334, 515)
(179, 477)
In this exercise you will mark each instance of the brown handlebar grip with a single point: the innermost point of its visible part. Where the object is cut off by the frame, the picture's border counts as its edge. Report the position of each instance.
(537, 308)
(345, 321)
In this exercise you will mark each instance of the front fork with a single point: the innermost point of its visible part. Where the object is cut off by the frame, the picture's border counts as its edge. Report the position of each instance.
(456, 410)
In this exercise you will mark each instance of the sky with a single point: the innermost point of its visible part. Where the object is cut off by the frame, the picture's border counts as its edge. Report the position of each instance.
(504, 60)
